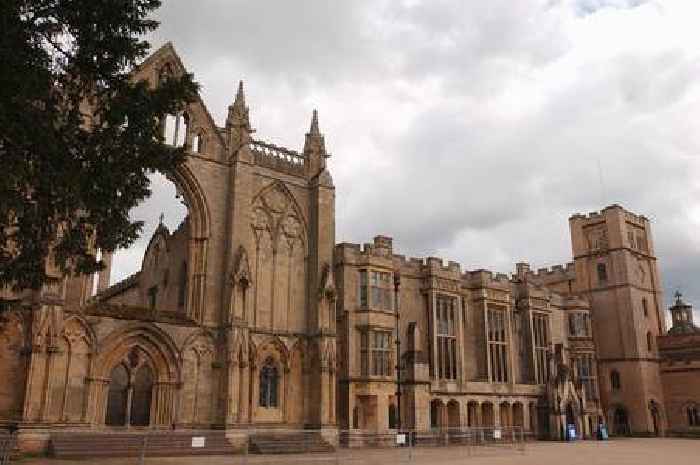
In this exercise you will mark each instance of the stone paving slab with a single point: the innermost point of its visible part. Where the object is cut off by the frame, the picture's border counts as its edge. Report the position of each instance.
(617, 452)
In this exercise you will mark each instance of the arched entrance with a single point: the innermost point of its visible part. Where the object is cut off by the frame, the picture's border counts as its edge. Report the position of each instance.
(118, 397)
(141, 398)
(487, 417)
(436, 408)
(140, 364)
(129, 398)
(453, 420)
(621, 422)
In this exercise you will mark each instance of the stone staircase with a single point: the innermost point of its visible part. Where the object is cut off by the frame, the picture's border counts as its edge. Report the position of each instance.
(284, 442)
(130, 444)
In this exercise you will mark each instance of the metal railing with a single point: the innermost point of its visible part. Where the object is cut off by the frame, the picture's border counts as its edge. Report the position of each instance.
(7, 447)
(320, 447)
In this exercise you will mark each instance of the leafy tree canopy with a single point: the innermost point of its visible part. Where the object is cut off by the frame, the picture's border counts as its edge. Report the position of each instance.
(78, 136)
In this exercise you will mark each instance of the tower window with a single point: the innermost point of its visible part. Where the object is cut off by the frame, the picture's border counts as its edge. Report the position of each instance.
(615, 383)
(650, 341)
(602, 273)
(645, 307)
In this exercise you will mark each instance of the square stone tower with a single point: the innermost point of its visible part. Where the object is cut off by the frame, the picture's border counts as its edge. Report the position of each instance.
(616, 269)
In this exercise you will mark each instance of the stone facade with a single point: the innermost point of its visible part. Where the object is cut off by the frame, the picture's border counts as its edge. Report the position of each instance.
(249, 317)
(574, 344)
(679, 350)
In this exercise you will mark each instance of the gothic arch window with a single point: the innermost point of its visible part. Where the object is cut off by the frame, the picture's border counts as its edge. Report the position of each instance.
(693, 416)
(198, 143)
(175, 129)
(269, 379)
(615, 380)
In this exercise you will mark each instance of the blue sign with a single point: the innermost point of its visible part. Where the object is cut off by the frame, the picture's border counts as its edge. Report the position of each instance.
(571, 432)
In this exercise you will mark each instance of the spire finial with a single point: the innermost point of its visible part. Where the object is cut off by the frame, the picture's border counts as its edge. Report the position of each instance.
(314, 123)
(161, 219)
(240, 96)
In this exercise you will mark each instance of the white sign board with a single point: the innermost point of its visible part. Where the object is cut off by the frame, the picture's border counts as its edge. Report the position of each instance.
(497, 434)
(198, 441)
(400, 439)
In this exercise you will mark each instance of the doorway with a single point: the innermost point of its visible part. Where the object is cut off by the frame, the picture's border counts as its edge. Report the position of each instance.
(129, 399)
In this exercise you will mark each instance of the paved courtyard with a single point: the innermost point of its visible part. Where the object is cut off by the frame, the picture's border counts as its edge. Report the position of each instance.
(617, 452)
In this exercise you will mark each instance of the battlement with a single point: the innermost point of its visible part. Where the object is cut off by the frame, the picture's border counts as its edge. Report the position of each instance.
(486, 278)
(553, 273)
(278, 158)
(599, 215)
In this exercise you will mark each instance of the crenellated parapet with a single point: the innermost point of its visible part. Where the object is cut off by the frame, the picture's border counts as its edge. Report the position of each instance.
(278, 158)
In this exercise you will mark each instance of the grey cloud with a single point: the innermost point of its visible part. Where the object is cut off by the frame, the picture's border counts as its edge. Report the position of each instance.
(465, 129)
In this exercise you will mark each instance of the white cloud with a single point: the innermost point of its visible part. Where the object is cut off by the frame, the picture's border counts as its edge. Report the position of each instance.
(473, 129)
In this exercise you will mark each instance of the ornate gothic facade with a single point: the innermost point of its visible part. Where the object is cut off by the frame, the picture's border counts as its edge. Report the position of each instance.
(249, 316)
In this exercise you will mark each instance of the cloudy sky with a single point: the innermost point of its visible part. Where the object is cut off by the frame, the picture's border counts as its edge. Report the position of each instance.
(466, 129)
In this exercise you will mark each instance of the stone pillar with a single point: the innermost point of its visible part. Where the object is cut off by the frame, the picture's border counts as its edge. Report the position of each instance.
(51, 352)
(162, 406)
(526, 416)
(129, 398)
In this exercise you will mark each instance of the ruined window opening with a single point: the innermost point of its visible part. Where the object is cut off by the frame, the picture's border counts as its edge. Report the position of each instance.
(152, 297)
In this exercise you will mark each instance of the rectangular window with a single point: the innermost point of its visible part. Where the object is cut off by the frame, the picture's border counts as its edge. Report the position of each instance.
(540, 330)
(376, 289)
(363, 289)
(498, 345)
(602, 273)
(579, 325)
(364, 353)
(375, 353)
(446, 313)
(585, 372)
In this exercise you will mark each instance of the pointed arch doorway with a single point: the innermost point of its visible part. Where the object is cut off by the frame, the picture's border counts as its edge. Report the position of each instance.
(129, 396)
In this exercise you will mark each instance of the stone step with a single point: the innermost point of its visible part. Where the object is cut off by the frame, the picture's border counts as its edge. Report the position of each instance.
(82, 445)
(288, 443)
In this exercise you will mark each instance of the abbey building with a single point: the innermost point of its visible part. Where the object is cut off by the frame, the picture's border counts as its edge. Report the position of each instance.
(249, 316)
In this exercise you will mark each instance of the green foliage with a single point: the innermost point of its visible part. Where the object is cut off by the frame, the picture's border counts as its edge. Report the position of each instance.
(78, 136)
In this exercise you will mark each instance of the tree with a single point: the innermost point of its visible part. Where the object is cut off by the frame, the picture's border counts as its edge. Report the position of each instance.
(78, 136)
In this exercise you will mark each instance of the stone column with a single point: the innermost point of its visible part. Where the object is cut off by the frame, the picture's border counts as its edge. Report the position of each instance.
(526, 416)
(51, 352)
